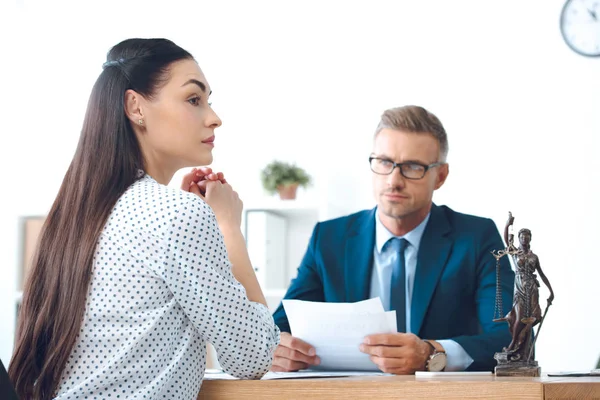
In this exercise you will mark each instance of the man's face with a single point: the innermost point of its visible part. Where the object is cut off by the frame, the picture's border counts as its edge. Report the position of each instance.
(396, 195)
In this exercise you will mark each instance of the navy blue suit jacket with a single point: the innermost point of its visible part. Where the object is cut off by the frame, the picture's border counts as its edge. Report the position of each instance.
(455, 282)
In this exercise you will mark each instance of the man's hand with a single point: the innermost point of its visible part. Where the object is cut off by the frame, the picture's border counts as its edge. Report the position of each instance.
(293, 354)
(397, 353)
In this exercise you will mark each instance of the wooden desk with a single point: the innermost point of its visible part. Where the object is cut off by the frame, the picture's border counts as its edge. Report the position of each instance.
(403, 387)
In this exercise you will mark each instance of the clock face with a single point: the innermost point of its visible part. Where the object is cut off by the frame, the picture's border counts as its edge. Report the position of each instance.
(437, 362)
(580, 26)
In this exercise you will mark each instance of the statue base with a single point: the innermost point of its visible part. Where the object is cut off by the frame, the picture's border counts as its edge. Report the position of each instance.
(507, 367)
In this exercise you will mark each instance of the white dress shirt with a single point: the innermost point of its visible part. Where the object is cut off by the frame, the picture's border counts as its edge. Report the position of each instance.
(161, 287)
(384, 259)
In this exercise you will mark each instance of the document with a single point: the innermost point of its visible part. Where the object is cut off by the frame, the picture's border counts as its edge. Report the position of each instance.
(594, 372)
(336, 330)
(371, 306)
(305, 374)
(441, 374)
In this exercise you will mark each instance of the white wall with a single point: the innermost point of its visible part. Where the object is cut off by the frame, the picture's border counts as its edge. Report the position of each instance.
(307, 81)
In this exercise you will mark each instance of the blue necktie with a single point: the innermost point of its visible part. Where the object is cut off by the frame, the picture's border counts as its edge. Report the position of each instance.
(398, 285)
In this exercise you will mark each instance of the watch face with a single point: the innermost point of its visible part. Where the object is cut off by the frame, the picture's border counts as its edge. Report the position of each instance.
(437, 362)
(580, 26)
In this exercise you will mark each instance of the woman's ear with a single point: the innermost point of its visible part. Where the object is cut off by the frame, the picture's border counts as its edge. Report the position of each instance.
(133, 107)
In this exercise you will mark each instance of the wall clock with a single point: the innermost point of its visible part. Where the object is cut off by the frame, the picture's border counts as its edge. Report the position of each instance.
(580, 26)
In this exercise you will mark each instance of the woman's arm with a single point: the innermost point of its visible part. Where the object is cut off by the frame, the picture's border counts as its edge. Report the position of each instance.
(198, 181)
(199, 274)
(241, 267)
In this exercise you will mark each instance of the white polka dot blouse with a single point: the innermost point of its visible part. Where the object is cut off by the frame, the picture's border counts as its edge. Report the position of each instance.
(161, 288)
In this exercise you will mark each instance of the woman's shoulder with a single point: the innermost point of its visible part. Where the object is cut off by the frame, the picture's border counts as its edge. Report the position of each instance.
(162, 201)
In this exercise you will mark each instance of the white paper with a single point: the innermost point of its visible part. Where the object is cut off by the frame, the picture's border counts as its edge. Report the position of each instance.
(296, 375)
(318, 374)
(336, 330)
(208, 376)
(370, 306)
(430, 374)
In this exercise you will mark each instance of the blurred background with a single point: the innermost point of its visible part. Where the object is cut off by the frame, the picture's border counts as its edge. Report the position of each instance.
(305, 82)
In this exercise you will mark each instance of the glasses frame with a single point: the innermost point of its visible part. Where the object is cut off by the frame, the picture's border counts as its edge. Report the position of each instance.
(399, 166)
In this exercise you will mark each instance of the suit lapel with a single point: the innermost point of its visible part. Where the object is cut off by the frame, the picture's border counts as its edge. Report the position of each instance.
(359, 257)
(433, 253)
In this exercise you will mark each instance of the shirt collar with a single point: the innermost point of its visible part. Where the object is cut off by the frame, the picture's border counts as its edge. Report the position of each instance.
(382, 234)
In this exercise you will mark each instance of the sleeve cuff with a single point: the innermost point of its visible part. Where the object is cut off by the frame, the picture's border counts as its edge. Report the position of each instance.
(269, 325)
(458, 358)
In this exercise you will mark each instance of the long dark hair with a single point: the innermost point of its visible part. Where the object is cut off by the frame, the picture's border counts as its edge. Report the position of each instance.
(105, 164)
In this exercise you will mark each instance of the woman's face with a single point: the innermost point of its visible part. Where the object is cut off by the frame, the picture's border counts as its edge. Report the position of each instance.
(178, 122)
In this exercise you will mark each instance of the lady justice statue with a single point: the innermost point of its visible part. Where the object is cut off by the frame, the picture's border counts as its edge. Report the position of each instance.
(516, 359)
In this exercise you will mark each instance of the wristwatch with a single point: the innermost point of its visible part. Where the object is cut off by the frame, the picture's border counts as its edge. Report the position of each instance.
(437, 359)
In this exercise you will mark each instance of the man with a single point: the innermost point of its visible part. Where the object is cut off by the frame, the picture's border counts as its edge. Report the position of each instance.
(429, 263)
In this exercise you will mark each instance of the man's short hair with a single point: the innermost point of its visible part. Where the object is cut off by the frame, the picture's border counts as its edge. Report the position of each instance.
(415, 119)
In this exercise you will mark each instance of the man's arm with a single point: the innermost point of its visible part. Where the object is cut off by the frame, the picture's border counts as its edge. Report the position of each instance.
(458, 358)
(405, 353)
(306, 286)
(494, 336)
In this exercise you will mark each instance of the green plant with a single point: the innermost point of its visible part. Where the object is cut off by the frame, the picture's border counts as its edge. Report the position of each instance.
(279, 173)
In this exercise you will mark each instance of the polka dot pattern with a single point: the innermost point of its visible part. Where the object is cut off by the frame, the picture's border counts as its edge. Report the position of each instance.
(161, 288)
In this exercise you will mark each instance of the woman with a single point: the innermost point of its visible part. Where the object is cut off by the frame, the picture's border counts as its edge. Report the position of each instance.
(131, 277)
(526, 312)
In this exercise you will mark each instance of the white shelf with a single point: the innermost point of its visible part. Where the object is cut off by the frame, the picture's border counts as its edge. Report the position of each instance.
(275, 293)
(301, 216)
(275, 203)
(286, 208)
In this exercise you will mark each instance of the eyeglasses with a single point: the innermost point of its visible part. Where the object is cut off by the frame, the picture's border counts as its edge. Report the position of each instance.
(409, 170)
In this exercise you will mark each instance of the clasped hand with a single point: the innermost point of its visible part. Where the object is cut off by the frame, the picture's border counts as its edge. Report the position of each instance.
(217, 193)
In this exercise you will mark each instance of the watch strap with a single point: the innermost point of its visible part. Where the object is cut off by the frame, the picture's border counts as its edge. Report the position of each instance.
(435, 346)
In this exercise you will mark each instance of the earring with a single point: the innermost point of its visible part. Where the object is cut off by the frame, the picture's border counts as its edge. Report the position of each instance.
(141, 122)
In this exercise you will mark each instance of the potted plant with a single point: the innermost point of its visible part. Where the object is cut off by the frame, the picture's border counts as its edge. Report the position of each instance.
(284, 178)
